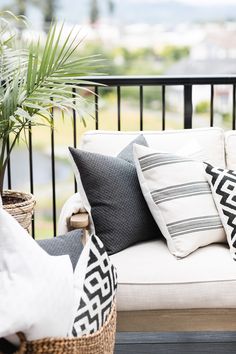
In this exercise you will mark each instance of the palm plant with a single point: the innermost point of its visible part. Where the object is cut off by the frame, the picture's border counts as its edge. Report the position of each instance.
(35, 80)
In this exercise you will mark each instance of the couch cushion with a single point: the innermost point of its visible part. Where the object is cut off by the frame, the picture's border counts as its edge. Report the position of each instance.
(112, 142)
(148, 273)
(230, 149)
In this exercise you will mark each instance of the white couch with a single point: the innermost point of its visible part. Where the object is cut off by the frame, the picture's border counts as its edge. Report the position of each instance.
(156, 291)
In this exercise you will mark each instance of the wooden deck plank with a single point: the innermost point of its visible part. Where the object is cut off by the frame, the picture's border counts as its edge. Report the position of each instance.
(176, 343)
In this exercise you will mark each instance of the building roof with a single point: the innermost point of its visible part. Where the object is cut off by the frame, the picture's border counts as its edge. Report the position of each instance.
(188, 66)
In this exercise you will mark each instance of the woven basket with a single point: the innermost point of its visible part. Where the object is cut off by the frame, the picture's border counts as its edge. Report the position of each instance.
(101, 342)
(20, 206)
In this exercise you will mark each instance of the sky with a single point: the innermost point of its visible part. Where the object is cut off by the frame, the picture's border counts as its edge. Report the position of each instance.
(194, 2)
(209, 2)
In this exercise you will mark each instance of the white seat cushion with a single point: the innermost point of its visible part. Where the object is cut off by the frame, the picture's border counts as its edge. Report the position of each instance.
(211, 140)
(149, 278)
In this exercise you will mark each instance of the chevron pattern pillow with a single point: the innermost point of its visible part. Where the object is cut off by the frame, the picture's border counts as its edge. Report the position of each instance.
(179, 198)
(98, 292)
(223, 186)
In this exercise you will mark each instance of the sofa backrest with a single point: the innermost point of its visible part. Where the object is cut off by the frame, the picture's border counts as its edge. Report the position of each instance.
(211, 141)
(230, 149)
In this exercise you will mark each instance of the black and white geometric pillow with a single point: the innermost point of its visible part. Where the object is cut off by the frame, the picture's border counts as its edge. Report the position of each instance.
(223, 186)
(98, 291)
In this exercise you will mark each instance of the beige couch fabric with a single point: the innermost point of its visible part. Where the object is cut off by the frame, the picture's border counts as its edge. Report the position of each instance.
(230, 149)
(149, 277)
(211, 140)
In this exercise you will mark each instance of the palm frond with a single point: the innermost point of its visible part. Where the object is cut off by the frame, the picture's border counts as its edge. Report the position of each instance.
(34, 81)
(54, 74)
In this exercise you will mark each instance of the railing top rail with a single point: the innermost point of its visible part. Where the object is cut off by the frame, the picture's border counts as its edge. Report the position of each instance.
(161, 80)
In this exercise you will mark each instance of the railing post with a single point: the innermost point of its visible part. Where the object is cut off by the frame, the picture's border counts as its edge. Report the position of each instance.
(141, 107)
(188, 106)
(8, 165)
(54, 211)
(118, 108)
(96, 107)
(74, 131)
(31, 172)
(234, 110)
(163, 99)
(212, 106)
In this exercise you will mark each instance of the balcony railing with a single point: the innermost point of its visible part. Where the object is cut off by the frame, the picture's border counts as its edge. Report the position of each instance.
(118, 83)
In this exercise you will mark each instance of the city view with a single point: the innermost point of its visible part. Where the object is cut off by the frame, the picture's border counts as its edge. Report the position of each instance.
(134, 37)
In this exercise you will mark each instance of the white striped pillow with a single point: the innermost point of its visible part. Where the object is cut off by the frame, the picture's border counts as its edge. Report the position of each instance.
(180, 200)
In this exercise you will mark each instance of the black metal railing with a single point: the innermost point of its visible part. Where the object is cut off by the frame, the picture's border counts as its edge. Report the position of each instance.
(187, 82)
(118, 83)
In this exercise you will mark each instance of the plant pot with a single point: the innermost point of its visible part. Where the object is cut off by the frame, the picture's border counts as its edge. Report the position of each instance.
(20, 205)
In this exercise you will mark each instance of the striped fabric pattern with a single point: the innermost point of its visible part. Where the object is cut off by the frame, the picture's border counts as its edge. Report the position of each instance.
(153, 160)
(180, 199)
(180, 191)
(201, 223)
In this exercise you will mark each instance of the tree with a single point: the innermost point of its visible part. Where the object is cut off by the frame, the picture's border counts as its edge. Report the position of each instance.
(17, 6)
(111, 7)
(21, 7)
(174, 53)
(94, 11)
(48, 9)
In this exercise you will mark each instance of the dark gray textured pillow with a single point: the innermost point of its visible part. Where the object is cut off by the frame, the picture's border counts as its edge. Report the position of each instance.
(7, 347)
(70, 243)
(119, 210)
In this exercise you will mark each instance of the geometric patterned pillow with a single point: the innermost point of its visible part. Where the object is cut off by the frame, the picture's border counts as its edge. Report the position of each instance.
(98, 293)
(180, 200)
(223, 186)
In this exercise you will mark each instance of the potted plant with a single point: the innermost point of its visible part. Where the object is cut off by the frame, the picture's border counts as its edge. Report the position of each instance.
(34, 80)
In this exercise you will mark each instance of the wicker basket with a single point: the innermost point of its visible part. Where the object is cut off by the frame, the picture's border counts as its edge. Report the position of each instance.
(20, 206)
(101, 342)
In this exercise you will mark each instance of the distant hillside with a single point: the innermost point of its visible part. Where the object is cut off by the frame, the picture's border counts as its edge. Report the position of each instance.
(129, 12)
(149, 12)
(173, 12)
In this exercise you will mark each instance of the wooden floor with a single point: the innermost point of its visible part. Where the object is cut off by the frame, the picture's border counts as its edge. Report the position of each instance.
(176, 343)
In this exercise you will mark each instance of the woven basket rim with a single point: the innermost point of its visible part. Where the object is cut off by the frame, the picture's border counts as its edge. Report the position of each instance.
(28, 198)
(93, 335)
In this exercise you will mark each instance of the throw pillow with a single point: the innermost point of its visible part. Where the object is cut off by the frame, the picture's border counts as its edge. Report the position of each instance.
(180, 200)
(127, 153)
(99, 288)
(37, 290)
(223, 186)
(111, 189)
(6, 347)
(70, 244)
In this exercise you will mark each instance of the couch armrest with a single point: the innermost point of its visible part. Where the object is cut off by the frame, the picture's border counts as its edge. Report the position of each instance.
(79, 221)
